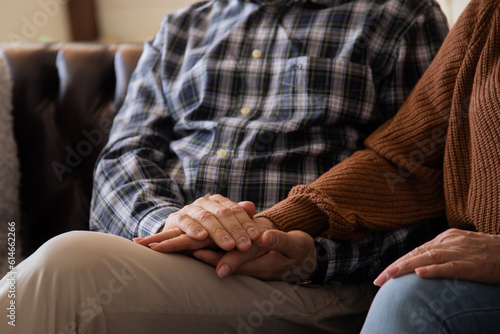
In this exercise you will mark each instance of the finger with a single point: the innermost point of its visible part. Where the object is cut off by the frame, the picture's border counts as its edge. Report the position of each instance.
(225, 221)
(181, 243)
(243, 211)
(420, 257)
(233, 260)
(454, 269)
(293, 244)
(417, 251)
(208, 256)
(269, 266)
(159, 237)
(181, 219)
(249, 208)
(211, 224)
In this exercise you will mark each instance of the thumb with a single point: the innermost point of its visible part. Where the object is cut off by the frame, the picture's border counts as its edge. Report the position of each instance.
(280, 241)
(249, 208)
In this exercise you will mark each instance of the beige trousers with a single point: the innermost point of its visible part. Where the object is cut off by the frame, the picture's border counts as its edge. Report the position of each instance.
(87, 282)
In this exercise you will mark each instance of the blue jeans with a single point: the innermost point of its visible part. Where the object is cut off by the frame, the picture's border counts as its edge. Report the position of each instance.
(410, 304)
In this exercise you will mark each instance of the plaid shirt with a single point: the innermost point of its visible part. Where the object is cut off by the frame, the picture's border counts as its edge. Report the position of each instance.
(365, 259)
(248, 99)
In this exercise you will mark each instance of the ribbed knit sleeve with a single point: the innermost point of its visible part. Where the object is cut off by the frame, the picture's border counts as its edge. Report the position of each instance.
(417, 165)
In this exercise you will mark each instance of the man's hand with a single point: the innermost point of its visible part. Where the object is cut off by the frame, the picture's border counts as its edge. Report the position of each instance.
(276, 256)
(208, 220)
(460, 254)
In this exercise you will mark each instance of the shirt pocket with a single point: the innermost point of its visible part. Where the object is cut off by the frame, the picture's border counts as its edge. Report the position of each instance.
(328, 91)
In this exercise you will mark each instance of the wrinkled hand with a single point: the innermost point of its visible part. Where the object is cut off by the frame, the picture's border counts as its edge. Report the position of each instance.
(208, 220)
(278, 255)
(460, 254)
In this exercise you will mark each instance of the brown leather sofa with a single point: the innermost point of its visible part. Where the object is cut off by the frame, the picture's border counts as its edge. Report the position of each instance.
(65, 97)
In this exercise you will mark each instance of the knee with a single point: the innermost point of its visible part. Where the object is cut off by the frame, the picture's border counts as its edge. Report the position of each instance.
(414, 300)
(404, 295)
(73, 250)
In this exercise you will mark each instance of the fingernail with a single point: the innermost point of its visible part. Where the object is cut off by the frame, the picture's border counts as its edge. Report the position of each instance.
(379, 281)
(138, 239)
(226, 239)
(199, 231)
(242, 240)
(421, 271)
(153, 244)
(252, 232)
(391, 271)
(272, 239)
(224, 271)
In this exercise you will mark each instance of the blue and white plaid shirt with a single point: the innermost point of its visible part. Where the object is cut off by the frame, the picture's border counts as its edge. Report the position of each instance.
(248, 99)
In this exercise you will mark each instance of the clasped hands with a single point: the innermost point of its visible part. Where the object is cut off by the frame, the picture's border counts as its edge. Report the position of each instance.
(248, 246)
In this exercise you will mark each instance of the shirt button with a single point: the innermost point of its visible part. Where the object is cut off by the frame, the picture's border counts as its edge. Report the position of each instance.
(222, 153)
(256, 54)
(245, 111)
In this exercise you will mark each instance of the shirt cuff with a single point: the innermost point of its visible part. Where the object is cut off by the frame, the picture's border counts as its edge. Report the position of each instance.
(318, 276)
(154, 220)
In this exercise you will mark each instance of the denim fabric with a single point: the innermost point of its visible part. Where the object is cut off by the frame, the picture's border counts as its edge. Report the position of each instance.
(411, 304)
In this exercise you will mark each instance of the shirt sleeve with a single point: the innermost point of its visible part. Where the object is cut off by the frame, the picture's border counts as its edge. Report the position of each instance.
(365, 259)
(132, 195)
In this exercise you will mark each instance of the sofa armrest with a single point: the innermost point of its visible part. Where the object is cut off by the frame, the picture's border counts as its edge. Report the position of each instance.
(65, 98)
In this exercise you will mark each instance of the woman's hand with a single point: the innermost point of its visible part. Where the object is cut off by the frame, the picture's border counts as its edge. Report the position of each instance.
(460, 254)
(284, 256)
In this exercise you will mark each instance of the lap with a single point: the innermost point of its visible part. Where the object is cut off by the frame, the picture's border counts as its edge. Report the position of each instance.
(97, 281)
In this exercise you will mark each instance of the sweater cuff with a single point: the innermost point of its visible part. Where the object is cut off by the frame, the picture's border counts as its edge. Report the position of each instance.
(297, 212)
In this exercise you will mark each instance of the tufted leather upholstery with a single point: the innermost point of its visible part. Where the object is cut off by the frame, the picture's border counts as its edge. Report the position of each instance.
(65, 97)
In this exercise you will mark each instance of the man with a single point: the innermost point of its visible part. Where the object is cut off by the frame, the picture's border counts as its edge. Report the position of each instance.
(245, 99)
(249, 99)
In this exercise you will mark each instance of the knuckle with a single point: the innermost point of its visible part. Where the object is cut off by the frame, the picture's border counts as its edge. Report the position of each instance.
(223, 212)
(217, 197)
(203, 215)
(417, 251)
(184, 220)
(455, 235)
(235, 231)
(455, 268)
(200, 201)
(237, 210)
(218, 231)
(434, 255)
(449, 233)
(183, 217)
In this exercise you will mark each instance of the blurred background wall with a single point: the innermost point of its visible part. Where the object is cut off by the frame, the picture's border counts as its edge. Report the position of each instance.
(29, 20)
(104, 20)
(115, 17)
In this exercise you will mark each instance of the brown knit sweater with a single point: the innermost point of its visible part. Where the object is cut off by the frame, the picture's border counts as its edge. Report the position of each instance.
(440, 154)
